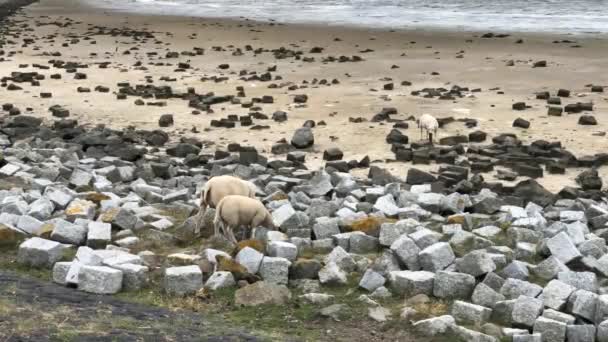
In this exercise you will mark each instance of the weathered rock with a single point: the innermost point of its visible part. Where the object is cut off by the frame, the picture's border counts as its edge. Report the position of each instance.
(183, 280)
(99, 279)
(262, 293)
(37, 252)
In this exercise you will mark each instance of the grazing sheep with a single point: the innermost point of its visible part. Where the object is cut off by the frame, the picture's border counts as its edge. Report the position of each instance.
(235, 211)
(219, 187)
(429, 123)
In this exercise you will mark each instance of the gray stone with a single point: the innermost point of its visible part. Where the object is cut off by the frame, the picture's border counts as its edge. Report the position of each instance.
(99, 234)
(60, 272)
(425, 237)
(551, 331)
(465, 334)
(275, 270)
(81, 179)
(341, 258)
(37, 252)
(556, 294)
(69, 233)
(371, 280)
(526, 310)
(435, 326)
(453, 285)
(331, 274)
(486, 296)
(317, 298)
(476, 263)
(467, 313)
(99, 279)
(183, 280)
(436, 257)
(411, 283)
(583, 303)
(580, 280)
(363, 244)
(527, 338)
(549, 268)
(326, 227)
(502, 312)
(262, 293)
(514, 288)
(406, 250)
(220, 280)
(390, 232)
(41, 209)
(282, 249)
(562, 248)
(250, 258)
(602, 332)
(559, 316)
(580, 333)
(386, 205)
(29, 225)
(135, 277)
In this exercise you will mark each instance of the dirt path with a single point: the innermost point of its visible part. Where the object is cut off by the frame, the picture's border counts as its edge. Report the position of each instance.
(34, 310)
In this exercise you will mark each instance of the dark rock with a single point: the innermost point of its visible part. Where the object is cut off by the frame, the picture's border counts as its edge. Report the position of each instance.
(554, 111)
(454, 140)
(589, 180)
(380, 176)
(338, 165)
(531, 191)
(597, 89)
(521, 123)
(477, 136)
(165, 120)
(539, 64)
(309, 124)
(526, 170)
(415, 177)
(279, 116)
(587, 120)
(181, 150)
(396, 137)
(303, 138)
(301, 98)
(248, 155)
(332, 153)
(156, 138)
(519, 106)
(563, 93)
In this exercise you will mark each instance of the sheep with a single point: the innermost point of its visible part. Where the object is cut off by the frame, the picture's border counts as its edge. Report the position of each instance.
(234, 211)
(219, 187)
(429, 123)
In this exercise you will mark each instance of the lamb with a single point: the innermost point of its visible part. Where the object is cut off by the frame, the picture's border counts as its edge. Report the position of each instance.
(235, 211)
(429, 123)
(219, 187)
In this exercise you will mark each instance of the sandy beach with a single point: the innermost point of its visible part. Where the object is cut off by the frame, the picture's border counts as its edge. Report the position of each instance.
(71, 32)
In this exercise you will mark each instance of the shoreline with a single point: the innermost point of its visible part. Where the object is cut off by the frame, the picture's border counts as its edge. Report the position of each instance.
(78, 5)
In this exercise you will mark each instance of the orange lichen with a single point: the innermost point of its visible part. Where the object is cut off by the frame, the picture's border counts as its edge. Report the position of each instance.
(258, 245)
(96, 197)
(369, 225)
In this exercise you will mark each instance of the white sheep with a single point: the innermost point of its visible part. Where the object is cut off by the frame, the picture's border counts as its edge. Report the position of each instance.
(429, 123)
(219, 187)
(235, 211)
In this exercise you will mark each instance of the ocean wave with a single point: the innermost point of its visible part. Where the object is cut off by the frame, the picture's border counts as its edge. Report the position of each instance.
(574, 16)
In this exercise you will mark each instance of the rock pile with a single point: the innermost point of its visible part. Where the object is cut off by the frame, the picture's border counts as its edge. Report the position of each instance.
(521, 257)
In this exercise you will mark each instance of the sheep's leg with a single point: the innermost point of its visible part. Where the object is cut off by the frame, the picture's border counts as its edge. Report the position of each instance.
(431, 138)
(199, 220)
(253, 230)
(230, 235)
